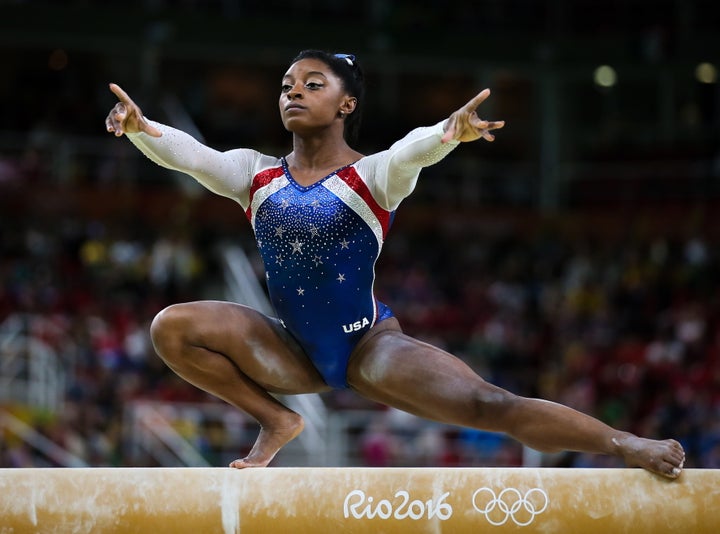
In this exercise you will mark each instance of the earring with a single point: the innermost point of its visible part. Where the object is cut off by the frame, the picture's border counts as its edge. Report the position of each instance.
(342, 114)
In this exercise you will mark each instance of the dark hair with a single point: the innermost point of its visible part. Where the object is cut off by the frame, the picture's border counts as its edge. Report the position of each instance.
(345, 67)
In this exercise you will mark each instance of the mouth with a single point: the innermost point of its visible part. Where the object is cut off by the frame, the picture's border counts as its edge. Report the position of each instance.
(291, 107)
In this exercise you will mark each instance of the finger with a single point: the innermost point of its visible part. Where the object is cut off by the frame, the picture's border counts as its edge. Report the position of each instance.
(477, 122)
(115, 122)
(495, 125)
(118, 119)
(478, 99)
(111, 124)
(122, 95)
(448, 136)
(450, 132)
(488, 136)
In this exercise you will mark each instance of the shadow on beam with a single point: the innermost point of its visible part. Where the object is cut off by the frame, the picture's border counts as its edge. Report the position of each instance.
(349, 500)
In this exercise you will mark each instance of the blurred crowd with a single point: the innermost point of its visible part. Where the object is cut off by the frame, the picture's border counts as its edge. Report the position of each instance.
(625, 329)
(94, 240)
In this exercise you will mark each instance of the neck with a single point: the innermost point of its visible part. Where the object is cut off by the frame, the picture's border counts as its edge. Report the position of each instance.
(318, 152)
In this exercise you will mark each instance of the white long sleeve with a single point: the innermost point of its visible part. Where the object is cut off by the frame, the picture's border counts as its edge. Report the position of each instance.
(396, 169)
(226, 173)
(391, 175)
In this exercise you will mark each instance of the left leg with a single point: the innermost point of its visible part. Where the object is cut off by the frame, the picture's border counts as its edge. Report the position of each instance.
(402, 372)
(242, 357)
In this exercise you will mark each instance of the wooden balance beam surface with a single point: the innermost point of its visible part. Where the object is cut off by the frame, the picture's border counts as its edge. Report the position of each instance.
(349, 500)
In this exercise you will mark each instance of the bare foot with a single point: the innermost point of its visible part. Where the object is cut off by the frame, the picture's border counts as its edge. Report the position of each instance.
(271, 439)
(665, 458)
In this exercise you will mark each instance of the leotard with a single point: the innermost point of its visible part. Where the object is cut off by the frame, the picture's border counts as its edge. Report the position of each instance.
(319, 243)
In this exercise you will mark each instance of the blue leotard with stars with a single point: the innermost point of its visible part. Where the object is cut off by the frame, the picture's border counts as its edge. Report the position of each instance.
(319, 243)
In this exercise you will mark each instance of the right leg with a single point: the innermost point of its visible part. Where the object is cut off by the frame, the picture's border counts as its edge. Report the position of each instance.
(397, 370)
(240, 356)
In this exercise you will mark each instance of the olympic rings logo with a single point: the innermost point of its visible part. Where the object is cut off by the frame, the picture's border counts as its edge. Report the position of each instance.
(510, 504)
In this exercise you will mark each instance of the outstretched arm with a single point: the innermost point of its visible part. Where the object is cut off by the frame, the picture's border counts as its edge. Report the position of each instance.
(424, 147)
(225, 173)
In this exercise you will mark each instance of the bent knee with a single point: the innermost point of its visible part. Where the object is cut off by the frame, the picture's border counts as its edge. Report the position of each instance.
(171, 325)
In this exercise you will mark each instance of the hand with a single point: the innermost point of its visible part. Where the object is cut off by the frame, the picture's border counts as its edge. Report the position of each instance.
(465, 125)
(126, 116)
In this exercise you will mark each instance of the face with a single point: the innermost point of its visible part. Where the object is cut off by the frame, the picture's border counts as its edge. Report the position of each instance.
(312, 96)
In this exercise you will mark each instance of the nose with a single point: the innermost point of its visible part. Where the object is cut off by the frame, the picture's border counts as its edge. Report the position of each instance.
(294, 92)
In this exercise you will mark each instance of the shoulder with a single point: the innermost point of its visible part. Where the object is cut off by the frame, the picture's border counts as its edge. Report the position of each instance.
(369, 169)
(252, 160)
(371, 162)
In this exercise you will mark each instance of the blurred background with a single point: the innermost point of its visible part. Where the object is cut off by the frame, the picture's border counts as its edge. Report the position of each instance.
(575, 258)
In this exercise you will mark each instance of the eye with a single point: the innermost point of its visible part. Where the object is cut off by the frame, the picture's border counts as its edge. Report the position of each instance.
(285, 87)
(314, 85)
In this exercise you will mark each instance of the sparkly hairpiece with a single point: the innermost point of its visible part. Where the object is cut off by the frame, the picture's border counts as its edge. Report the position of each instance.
(350, 58)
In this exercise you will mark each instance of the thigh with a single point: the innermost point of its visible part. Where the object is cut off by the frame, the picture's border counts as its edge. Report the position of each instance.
(258, 345)
(400, 371)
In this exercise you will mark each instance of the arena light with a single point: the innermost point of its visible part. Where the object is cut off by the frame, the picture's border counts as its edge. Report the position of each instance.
(605, 76)
(706, 73)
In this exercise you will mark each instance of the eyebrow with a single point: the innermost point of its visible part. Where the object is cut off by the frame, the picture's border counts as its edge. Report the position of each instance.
(311, 73)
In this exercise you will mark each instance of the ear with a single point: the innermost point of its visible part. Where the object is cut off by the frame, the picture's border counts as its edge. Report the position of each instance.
(348, 105)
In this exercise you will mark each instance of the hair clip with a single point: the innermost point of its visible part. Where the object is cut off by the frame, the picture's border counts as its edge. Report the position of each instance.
(350, 58)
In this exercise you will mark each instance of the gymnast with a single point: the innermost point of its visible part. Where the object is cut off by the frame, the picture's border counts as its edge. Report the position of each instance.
(320, 216)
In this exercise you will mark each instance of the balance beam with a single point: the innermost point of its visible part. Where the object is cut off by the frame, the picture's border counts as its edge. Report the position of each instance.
(357, 500)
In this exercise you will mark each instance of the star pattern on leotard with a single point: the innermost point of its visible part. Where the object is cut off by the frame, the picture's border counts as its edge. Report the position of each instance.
(297, 246)
(319, 250)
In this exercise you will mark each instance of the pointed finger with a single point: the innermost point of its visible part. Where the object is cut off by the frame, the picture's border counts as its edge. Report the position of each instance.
(122, 95)
(478, 99)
